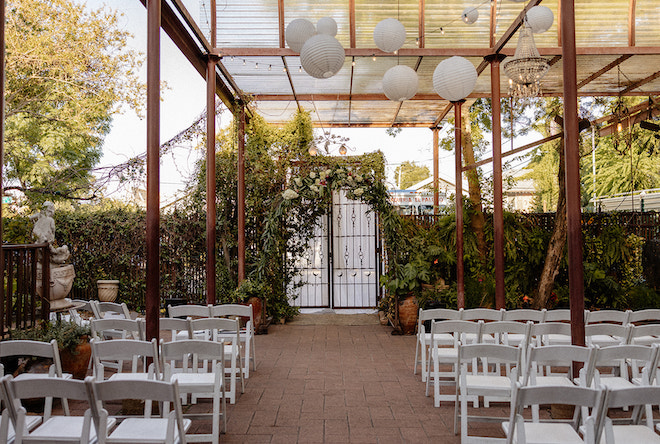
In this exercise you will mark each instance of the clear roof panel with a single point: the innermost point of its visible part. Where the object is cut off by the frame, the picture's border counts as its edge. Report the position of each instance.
(242, 23)
(647, 18)
(368, 13)
(313, 11)
(443, 27)
(601, 25)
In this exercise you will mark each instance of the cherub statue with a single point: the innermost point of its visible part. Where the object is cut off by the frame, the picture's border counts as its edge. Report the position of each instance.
(44, 231)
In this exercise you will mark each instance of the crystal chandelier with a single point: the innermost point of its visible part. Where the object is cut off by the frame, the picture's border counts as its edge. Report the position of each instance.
(526, 68)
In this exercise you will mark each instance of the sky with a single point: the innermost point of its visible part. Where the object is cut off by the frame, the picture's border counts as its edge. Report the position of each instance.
(184, 100)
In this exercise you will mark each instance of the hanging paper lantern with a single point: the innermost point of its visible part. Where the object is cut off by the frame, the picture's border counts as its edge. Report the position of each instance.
(327, 25)
(322, 56)
(400, 83)
(389, 35)
(297, 33)
(540, 18)
(470, 15)
(454, 78)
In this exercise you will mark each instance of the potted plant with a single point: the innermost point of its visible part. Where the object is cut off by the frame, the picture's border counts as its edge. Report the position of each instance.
(251, 292)
(404, 284)
(72, 340)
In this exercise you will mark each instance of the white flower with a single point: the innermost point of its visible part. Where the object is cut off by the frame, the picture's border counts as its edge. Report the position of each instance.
(314, 188)
(358, 191)
(289, 194)
(328, 172)
(317, 182)
(298, 181)
(312, 174)
(322, 175)
(358, 178)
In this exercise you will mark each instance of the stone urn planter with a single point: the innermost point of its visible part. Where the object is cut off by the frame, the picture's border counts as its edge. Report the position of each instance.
(108, 290)
(61, 281)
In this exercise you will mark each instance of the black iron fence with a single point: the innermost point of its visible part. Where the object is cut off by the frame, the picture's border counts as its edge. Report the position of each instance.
(20, 304)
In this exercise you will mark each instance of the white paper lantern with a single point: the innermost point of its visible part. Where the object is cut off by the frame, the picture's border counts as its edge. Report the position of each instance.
(327, 25)
(322, 56)
(540, 18)
(400, 83)
(389, 35)
(470, 15)
(454, 78)
(298, 32)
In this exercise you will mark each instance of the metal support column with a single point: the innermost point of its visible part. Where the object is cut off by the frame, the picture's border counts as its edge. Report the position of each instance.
(210, 180)
(2, 146)
(498, 212)
(460, 286)
(152, 302)
(571, 149)
(241, 194)
(436, 171)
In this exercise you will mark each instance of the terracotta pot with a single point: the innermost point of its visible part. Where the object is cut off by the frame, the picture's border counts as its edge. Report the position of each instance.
(408, 313)
(257, 307)
(76, 362)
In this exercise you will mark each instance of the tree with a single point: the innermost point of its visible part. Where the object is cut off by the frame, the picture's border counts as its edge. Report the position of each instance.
(409, 173)
(67, 72)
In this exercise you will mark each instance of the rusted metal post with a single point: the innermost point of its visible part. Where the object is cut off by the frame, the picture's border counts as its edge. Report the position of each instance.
(210, 180)
(2, 155)
(498, 212)
(571, 149)
(241, 194)
(460, 285)
(152, 302)
(436, 171)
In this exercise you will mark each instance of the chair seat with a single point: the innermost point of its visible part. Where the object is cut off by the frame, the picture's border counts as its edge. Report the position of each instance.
(440, 338)
(616, 383)
(547, 381)
(544, 433)
(604, 340)
(634, 433)
(557, 339)
(30, 423)
(646, 340)
(194, 381)
(130, 376)
(471, 338)
(485, 383)
(515, 339)
(63, 427)
(445, 353)
(144, 430)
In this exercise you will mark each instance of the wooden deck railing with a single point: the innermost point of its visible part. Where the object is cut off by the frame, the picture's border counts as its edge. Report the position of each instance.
(20, 304)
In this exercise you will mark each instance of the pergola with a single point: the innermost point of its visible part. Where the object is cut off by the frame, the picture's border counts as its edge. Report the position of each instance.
(594, 48)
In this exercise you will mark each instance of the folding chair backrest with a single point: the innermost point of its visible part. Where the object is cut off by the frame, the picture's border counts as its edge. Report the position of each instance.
(525, 314)
(23, 347)
(457, 328)
(81, 307)
(125, 349)
(622, 356)
(149, 390)
(560, 356)
(32, 388)
(235, 310)
(175, 326)
(103, 310)
(126, 328)
(621, 331)
(648, 330)
(501, 329)
(190, 310)
(493, 353)
(607, 316)
(216, 326)
(650, 315)
(558, 315)
(541, 331)
(482, 314)
(191, 352)
(438, 314)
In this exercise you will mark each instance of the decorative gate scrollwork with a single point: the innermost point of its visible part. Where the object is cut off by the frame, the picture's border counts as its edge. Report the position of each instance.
(340, 267)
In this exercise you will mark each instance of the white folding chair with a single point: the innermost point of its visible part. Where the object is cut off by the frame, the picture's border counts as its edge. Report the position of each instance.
(496, 387)
(28, 348)
(481, 314)
(520, 431)
(502, 332)
(651, 315)
(112, 328)
(8, 417)
(246, 334)
(55, 429)
(558, 315)
(561, 359)
(105, 310)
(606, 335)
(525, 315)
(616, 366)
(550, 333)
(81, 307)
(648, 334)
(424, 334)
(196, 379)
(134, 351)
(169, 428)
(442, 355)
(607, 316)
(227, 331)
(189, 311)
(634, 430)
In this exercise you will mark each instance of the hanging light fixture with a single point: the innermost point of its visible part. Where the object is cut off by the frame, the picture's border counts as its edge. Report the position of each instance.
(454, 78)
(389, 35)
(322, 56)
(470, 15)
(298, 32)
(327, 25)
(312, 151)
(400, 83)
(342, 150)
(540, 18)
(526, 68)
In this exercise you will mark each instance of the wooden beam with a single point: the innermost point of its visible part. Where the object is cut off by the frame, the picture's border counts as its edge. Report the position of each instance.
(351, 21)
(639, 83)
(631, 22)
(442, 115)
(421, 24)
(293, 89)
(493, 23)
(604, 69)
(280, 22)
(514, 151)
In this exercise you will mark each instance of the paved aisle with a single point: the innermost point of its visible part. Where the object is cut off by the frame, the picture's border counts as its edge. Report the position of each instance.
(336, 383)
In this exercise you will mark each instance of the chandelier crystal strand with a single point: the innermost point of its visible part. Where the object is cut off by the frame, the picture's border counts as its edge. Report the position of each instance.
(526, 68)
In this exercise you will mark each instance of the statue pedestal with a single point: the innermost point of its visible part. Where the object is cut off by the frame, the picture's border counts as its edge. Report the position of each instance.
(61, 281)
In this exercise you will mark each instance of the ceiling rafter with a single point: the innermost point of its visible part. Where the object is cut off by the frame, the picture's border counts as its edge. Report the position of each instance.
(631, 22)
(293, 90)
(280, 22)
(603, 70)
(639, 83)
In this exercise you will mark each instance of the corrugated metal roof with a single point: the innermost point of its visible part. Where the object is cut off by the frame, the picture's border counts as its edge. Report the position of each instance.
(250, 31)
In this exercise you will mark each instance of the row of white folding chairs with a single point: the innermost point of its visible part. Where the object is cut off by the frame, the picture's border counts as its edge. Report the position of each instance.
(472, 383)
(646, 334)
(96, 425)
(220, 311)
(446, 335)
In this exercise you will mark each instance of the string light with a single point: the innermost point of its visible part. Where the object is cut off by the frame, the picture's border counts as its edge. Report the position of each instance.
(417, 40)
(243, 62)
(284, 68)
(270, 67)
(256, 66)
(442, 31)
(353, 63)
(396, 52)
(373, 57)
(232, 58)
(300, 68)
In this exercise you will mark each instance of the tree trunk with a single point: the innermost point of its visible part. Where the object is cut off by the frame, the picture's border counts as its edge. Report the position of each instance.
(557, 241)
(477, 220)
